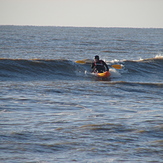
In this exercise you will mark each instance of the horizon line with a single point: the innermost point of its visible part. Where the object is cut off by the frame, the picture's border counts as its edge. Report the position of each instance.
(81, 26)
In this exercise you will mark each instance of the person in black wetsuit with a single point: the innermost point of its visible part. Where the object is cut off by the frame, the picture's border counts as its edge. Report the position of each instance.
(99, 65)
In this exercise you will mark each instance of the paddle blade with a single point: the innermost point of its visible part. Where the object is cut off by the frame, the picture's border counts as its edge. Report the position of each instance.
(84, 61)
(80, 61)
(116, 66)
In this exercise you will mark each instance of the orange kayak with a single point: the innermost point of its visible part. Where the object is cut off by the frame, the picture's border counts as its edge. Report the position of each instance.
(103, 75)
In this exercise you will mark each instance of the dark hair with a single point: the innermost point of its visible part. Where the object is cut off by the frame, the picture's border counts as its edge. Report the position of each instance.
(97, 57)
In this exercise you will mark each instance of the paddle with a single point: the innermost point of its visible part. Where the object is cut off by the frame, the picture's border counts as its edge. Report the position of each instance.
(116, 66)
(81, 62)
(90, 61)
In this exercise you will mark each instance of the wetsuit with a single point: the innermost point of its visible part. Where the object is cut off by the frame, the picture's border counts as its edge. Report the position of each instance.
(99, 66)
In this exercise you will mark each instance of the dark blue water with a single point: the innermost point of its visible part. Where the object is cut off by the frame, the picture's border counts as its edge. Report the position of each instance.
(53, 110)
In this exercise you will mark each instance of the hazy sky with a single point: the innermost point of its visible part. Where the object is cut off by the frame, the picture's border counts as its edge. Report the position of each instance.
(87, 13)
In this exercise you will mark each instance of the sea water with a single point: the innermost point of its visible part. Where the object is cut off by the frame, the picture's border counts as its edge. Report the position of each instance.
(53, 110)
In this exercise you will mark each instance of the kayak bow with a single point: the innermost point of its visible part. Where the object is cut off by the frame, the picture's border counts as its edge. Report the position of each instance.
(103, 75)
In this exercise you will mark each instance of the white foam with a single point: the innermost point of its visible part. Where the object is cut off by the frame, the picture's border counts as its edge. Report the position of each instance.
(159, 56)
(114, 73)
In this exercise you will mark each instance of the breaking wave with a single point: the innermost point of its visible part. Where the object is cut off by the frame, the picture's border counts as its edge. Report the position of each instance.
(36, 69)
(15, 69)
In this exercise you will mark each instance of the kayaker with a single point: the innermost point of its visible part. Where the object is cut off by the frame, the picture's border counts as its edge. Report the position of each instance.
(99, 65)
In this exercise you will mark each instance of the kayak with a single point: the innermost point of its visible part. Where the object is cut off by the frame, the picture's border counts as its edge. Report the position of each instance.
(102, 75)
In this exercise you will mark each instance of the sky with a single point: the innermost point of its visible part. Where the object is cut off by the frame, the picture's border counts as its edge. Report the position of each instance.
(83, 13)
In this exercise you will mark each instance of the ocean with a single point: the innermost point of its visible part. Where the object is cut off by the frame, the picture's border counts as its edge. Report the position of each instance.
(53, 109)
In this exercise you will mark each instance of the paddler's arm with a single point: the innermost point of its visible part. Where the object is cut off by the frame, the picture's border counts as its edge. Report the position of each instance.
(93, 67)
(107, 68)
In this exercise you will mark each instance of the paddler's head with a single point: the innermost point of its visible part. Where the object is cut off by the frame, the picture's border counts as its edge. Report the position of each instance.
(96, 58)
